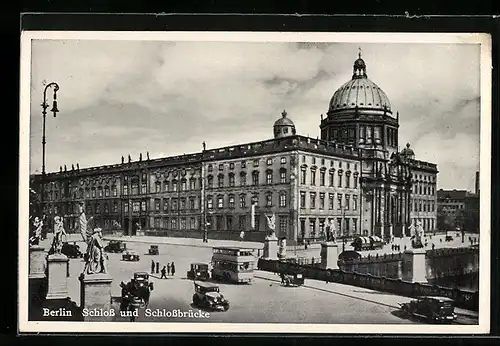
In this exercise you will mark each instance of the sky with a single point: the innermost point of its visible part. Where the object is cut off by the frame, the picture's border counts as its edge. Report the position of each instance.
(129, 97)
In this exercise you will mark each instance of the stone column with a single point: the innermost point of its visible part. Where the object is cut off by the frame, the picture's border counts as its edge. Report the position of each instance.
(329, 255)
(95, 295)
(414, 269)
(271, 248)
(57, 269)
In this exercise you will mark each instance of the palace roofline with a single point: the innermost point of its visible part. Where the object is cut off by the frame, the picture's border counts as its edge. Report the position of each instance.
(274, 145)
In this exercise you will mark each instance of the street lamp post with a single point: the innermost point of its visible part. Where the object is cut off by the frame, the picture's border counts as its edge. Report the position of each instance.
(343, 228)
(54, 110)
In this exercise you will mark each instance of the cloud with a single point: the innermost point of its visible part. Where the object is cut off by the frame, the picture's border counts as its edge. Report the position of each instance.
(120, 97)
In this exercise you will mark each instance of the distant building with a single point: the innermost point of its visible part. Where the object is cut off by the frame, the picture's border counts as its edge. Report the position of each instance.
(458, 208)
(354, 175)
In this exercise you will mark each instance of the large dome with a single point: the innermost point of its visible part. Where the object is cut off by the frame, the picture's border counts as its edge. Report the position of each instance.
(359, 92)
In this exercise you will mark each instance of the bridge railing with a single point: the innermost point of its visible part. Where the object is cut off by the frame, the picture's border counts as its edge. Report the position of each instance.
(463, 298)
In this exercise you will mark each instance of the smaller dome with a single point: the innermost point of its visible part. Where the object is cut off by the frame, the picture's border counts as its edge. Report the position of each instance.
(407, 151)
(284, 126)
(359, 64)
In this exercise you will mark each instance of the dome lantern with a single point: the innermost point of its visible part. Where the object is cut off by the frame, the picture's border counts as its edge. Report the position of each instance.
(359, 68)
(284, 126)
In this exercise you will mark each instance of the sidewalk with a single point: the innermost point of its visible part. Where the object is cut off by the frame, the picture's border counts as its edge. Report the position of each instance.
(376, 297)
(191, 242)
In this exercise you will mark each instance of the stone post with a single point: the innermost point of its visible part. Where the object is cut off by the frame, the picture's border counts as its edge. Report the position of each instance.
(414, 269)
(329, 255)
(270, 247)
(36, 280)
(57, 268)
(95, 295)
(36, 262)
(282, 248)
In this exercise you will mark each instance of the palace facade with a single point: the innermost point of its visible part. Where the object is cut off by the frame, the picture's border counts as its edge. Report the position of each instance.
(353, 175)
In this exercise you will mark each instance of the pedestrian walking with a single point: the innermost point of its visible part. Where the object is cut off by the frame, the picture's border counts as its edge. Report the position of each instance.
(172, 268)
(163, 272)
(168, 268)
(157, 267)
(152, 267)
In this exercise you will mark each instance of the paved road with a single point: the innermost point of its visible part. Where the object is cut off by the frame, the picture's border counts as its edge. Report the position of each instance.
(264, 301)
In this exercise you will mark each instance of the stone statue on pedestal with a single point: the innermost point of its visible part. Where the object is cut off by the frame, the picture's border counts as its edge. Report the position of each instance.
(271, 224)
(36, 232)
(418, 235)
(95, 259)
(59, 233)
(331, 231)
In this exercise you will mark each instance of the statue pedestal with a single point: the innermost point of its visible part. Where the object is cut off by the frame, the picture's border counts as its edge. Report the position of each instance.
(329, 255)
(414, 269)
(282, 249)
(95, 293)
(270, 248)
(36, 262)
(57, 276)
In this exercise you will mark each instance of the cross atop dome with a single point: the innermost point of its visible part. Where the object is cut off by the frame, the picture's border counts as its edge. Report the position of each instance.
(284, 113)
(359, 53)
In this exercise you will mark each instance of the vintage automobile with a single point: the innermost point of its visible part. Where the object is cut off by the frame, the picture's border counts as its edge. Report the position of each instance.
(70, 250)
(198, 271)
(136, 292)
(292, 280)
(115, 246)
(153, 250)
(208, 296)
(130, 255)
(367, 243)
(432, 308)
(448, 238)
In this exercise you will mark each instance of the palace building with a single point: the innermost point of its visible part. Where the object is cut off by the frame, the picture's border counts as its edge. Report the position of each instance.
(353, 175)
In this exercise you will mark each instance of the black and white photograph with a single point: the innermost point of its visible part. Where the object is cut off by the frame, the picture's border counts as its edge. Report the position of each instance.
(254, 182)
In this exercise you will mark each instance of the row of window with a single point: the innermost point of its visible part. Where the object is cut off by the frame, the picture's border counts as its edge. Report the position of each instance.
(423, 205)
(331, 178)
(424, 190)
(343, 201)
(332, 162)
(242, 200)
(93, 192)
(243, 178)
(243, 164)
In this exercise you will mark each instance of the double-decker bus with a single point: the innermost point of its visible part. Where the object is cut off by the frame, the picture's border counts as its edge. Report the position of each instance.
(232, 264)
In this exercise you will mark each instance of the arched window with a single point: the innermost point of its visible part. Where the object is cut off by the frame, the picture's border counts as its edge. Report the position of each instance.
(231, 179)
(210, 181)
(93, 192)
(220, 201)
(157, 187)
(174, 185)
(183, 184)
(243, 200)
(243, 179)
(115, 191)
(106, 208)
(220, 180)
(231, 201)
(106, 191)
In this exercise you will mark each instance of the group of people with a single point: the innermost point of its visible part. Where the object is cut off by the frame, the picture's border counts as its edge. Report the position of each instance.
(168, 269)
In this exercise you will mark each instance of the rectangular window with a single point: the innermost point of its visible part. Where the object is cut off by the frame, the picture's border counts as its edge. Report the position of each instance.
(312, 196)
(322, 178)
(355, 202)
(255, 178)
(192, 223)
(242, 222)
(256, 163)
(283, 160)
(157, 204)
(165, 204)
(312, 228)
(243, 201)
(269, 199)
(321, 201)
(243, 180)
(243, 164)
(303, 176)
(302, 199)
(191, 203)
(231, 201)
(231, 165)
(331, 175)
(97, 208)
(313, 177)
(192, 184)
(348, 181)
(283, 177)
(221, 166)
(283, 225)
(106, 191)
(229, 222)
(269, 162)
(220, 202)
(165, 186)
(340, 180)
(355, 181)
(93, 193)
(115, 207)
(174, 186)
(136, 206)
(174, 204)
(282, 202)
(339, 201)
(183, 223)
(210, 202)
(99, 192)
(330, 201)
(183, 203)
(183, 185)
(231, 180)
(157, 222)
(210, 182)
(158, 187)
(347, 202)
(125, 207)
(143, 205)
(174, 223)
(144, 188)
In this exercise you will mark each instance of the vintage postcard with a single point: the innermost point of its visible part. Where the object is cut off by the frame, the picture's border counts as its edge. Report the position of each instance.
(240, 182)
